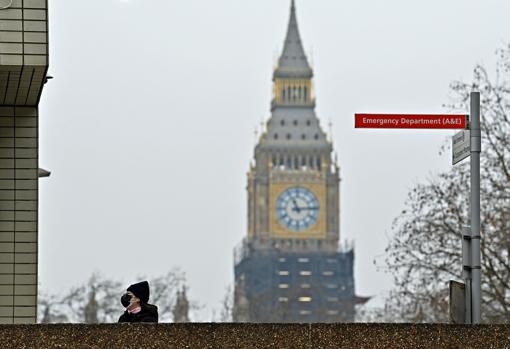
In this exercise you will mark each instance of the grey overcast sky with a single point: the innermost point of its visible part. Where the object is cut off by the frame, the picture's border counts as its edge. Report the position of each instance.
(148, 126)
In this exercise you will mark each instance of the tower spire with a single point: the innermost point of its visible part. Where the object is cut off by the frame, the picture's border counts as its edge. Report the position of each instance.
(293, 61)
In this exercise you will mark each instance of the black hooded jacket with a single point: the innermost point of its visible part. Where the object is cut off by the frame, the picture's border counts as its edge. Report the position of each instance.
(149, 313)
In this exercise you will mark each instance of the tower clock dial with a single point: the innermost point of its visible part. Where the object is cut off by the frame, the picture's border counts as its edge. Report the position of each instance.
(297, 209)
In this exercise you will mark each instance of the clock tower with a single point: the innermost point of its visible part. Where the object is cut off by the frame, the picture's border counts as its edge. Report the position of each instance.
(290, 268)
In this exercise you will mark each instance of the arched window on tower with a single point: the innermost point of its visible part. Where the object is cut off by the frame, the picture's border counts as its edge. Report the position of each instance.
(289, 93)
(299, 93)
(303, 162)
(319, 163)
(289, 163)
(296, 163)
(310, 162)
(305, 93)
(274, 161)
(283, 94)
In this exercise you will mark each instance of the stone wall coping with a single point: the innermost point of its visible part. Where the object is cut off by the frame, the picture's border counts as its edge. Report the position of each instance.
(281, 336)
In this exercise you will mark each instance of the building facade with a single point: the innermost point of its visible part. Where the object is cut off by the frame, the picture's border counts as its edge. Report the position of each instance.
(291, 267)
(23, 69)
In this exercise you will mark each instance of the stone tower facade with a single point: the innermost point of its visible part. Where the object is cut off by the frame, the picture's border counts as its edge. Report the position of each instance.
(23, 69)
(290, 267)
(293, 153)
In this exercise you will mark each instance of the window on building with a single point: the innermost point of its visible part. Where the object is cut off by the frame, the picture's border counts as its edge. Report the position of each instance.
(289, 136)
(305, 93)
(303, 260)
(282, 260)
(283, 286)
(331, 286)
(308, 122)
(295, 122)
(303, 137)
(283, 94)
(282, 122)
(332, 299)
(283, 299)
(316, 136)
(283, 273)
(305, 312)
(305, 299)
(305, 273)
(305, 286)
(332, 312)
(276, 136)
(328, 273)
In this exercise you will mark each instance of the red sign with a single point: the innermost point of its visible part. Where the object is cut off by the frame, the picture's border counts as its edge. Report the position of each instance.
(437, 121)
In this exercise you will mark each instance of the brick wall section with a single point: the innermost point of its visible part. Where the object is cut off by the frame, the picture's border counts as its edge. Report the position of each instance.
(256, 336)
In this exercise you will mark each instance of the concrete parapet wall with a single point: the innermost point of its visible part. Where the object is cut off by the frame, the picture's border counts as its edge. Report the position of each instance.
(255, 336)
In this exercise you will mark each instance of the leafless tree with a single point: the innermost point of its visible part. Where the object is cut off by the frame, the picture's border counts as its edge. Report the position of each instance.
(50, 309)
(227, 305)
(94, 302)
(98, 300)
(425, 250)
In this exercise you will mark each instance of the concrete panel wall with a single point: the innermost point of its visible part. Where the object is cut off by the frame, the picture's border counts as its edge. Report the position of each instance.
(23, 33)
(18, 214)
(23, 51)
(23, 69)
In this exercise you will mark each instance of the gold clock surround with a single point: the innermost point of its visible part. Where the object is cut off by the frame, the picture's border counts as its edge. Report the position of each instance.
(316, 231)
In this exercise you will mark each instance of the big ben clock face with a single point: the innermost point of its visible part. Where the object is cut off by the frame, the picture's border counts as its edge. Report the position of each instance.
(297, 209)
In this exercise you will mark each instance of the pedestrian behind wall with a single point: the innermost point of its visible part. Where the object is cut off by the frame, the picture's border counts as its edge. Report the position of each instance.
(136, 302)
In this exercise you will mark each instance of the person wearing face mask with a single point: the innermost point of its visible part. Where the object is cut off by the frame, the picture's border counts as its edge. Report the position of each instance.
(135, 300)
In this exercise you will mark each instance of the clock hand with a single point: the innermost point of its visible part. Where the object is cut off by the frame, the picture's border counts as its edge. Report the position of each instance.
(295, 207)
(309, 208)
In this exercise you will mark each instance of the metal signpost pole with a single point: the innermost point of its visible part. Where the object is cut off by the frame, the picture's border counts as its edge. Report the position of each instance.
(466, 271)
(476, 147)
(464, 307)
